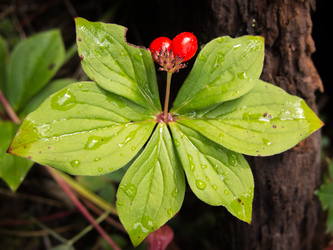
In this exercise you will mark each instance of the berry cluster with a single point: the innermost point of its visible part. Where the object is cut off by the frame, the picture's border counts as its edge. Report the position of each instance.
(171, 54)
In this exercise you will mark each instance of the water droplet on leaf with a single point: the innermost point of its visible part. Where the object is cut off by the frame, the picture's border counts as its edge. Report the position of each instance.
(220, 39)
(97, 159)
(75, 163)
(232, 159)
(94, 142)
(129, 189)
(202, 57)
(175, 192)
(266, 141)
(63, 100)
(200, 184)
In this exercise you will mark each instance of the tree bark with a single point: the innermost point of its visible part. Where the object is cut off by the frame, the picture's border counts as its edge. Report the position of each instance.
(286, 213)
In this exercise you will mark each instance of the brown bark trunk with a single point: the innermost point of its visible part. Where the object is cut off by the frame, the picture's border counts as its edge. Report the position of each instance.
(285, 210)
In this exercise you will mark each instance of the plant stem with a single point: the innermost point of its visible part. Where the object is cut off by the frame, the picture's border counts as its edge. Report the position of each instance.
(86, 193)
(87, 229)
(167, 96)
(9, 109)
(82, 208)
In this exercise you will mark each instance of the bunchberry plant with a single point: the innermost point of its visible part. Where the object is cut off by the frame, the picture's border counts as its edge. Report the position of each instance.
(222, 111)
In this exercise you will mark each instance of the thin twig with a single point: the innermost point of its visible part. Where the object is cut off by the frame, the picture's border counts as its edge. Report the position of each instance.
(10, 111)
(98, 211)
(87, 229)
(35, 233)
(82, 208)
(31, 197)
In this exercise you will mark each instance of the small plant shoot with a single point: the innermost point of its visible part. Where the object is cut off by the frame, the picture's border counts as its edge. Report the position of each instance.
(222, 111)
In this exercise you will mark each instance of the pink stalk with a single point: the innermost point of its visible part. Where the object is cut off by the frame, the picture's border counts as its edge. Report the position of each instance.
(82, 209)
(9, 109)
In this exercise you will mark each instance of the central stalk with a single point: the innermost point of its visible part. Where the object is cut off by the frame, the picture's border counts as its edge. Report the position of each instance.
(167, 96)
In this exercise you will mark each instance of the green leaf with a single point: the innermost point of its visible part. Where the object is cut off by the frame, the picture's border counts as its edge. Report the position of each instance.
(83, 130)
(215, 174)
(48, 90)
(115, 65)
(225, 69)
(325, 194)
(12, 169)
(33, 63)
(263, 122)
(152, 189)
(3, 63)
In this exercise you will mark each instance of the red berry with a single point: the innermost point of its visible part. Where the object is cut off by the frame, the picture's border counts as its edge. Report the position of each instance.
(159, 44)
(184, 45)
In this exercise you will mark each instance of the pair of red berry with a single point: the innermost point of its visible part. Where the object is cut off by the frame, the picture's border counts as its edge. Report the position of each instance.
(171, 54)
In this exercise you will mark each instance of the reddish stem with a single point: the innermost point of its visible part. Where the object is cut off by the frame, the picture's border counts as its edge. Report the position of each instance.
(9, 109)
(82, 208)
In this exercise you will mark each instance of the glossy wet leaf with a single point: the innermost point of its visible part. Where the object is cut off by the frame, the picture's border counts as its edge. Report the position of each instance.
(263, 122)
(3, 62)
(33, 62)
(83, 130)
(115, 65)
(12, 169)
(225, 69)
(217, 176)
(48, 90)
(152, 190)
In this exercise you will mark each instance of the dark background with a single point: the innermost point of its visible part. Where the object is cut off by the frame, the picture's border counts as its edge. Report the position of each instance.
(197, 225)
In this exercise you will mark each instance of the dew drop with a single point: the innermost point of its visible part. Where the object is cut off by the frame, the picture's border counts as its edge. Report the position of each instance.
(232, 159)
(170, 212)
(235, 93)
(192, 166)
(133, 148)
(128, 138)
(242, 75)
(97, 159)
(121, 155)
(200, 184)
(215, 187)
(203, 166)
(94, 142)
(266, 142)
(138, 56)
(177, 143)
(175, 192)
(220, 39)
(75, 163)
(100, 169)
(63, 100)
(129, 189)
(226, 192)
(207, 178)
(175, 177)
(120, 203)
(201, 57)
